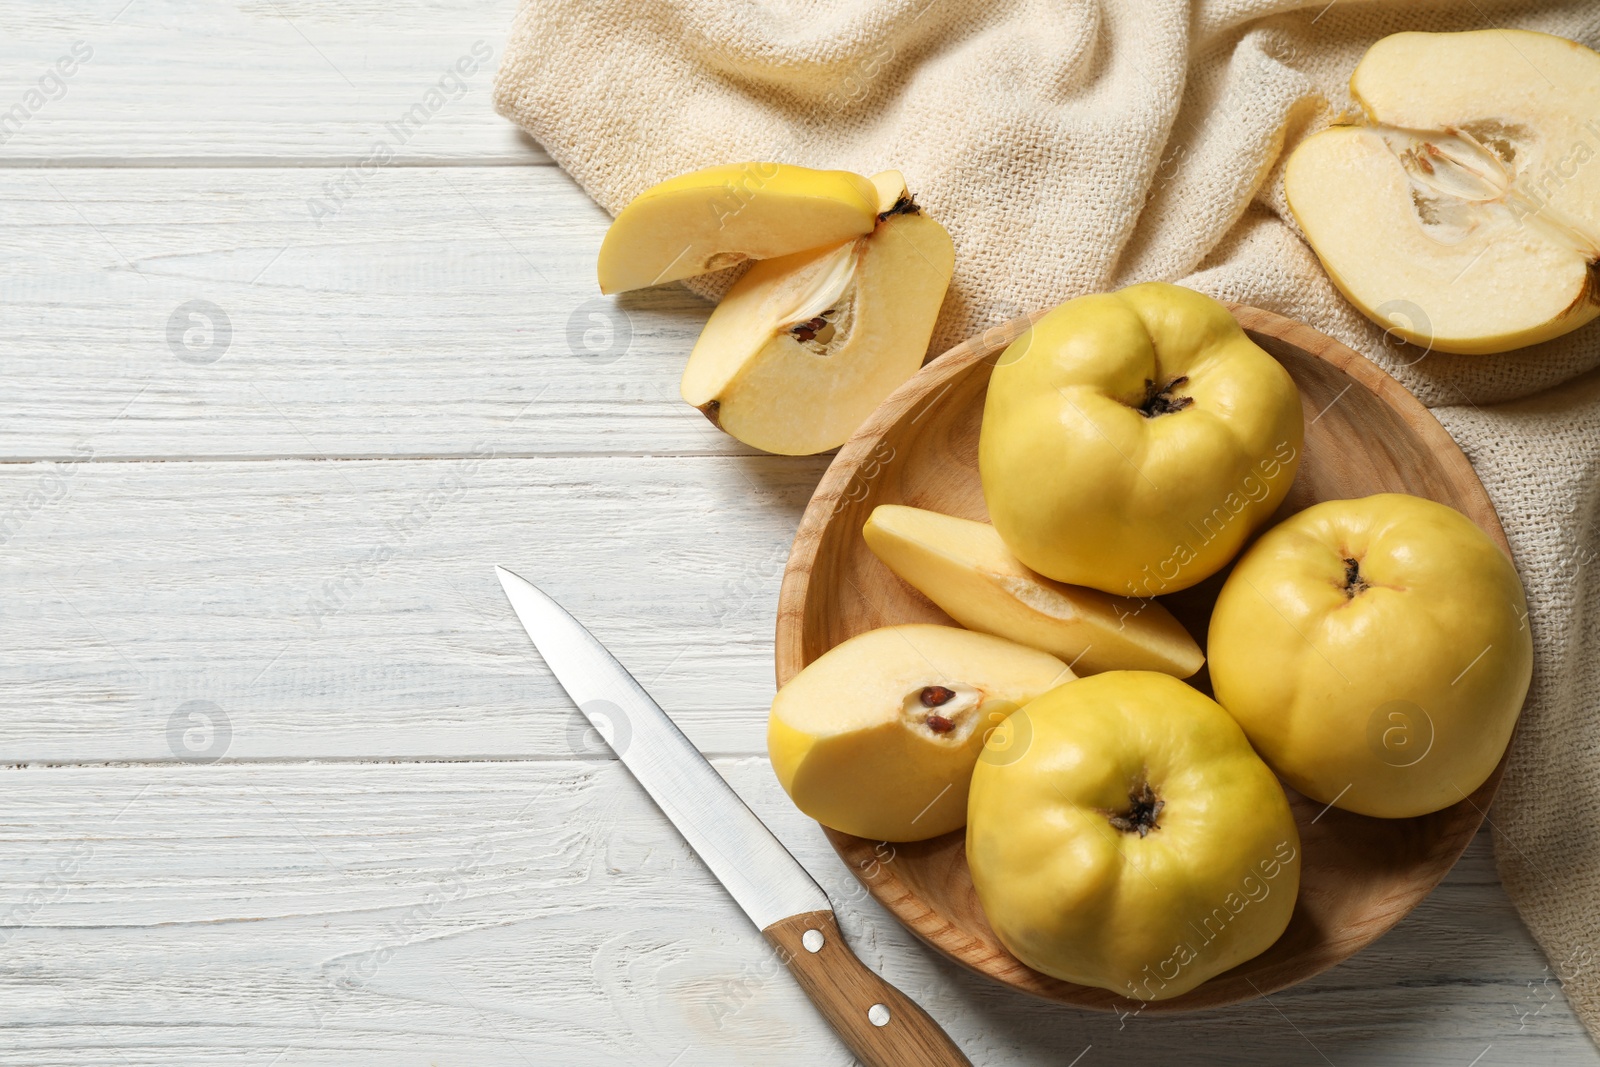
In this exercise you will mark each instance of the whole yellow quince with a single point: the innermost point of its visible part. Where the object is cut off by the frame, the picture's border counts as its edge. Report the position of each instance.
(1132, 441)
(1376, 652)
(1122, 834)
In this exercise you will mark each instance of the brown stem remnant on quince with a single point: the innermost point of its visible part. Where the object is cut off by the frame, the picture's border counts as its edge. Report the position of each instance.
(904, 206)
(1354, 584)
(1162, 400)
(1143, 809)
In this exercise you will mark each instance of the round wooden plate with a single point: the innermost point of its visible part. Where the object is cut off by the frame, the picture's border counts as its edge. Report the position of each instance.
(1364, 434)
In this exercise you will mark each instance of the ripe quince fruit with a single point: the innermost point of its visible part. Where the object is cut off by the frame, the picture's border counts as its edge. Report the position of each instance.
(878, 735)
(1376, 652)
(1132, 441)
(720, 217)
(803, 347)
(1122, 834)
(965, 568)
(1463, 214)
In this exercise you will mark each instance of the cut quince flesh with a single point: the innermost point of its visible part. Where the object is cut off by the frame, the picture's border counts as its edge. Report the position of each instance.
(719, 217)
(965, 568)
(1464, 215)
(803, 347)
(877, 737)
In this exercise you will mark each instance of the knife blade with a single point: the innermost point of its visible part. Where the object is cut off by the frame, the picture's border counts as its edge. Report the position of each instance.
(882, 1026)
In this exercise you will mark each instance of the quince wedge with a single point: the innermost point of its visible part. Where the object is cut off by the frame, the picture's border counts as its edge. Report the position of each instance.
(803, 347)
(1463, 214)
(877, 737)
(965, 568)
(719, 217)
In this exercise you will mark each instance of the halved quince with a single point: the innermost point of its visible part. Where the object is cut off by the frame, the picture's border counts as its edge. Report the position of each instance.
(721, 216)
(877, 737)
(1465, 214)
(966, 569)
(803, 347)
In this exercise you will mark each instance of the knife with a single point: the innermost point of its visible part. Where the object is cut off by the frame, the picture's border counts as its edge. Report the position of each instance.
(880, 1024)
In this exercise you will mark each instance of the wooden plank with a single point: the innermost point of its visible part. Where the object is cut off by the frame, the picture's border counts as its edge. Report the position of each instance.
(546, 913)
(420, 321)
(293, 82)
(350, 609)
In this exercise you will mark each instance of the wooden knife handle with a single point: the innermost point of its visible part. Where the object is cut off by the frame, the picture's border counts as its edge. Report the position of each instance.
(882, 1026)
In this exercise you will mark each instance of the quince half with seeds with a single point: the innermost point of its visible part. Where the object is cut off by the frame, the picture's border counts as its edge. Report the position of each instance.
(1464, 214)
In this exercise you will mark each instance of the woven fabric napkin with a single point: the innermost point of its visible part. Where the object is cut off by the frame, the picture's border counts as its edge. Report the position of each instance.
(1072, 146)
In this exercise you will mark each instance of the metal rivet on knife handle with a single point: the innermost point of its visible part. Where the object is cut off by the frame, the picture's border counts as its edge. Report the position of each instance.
(881, 1025)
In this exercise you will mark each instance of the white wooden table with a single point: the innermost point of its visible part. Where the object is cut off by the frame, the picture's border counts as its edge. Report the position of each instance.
(284, 782)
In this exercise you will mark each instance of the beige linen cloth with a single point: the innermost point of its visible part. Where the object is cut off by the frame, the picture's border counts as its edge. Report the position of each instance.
(1079, 145)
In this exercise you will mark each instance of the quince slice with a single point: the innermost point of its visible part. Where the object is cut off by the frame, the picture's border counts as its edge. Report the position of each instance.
(965, 568)
(803, 347)
(719, 217)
